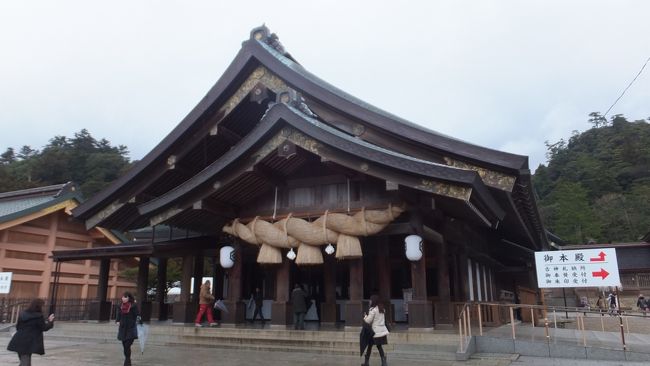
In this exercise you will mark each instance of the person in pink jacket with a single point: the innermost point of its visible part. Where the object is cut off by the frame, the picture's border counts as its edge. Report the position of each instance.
(377, 320)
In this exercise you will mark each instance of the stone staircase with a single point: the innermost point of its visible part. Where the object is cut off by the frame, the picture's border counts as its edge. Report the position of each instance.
(402, 344)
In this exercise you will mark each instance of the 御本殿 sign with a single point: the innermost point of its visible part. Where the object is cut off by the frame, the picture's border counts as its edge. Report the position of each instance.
(577, 268)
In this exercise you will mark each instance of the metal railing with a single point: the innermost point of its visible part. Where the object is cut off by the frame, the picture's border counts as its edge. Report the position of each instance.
(464, 327)
(549, 317)
(66, 309)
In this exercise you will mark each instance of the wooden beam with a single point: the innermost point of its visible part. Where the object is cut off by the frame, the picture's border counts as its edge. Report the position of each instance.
(269, 175)
(227, 134)
(215, 207)
(403, 228)
(100, 216)
(391, 186)
(164, 216)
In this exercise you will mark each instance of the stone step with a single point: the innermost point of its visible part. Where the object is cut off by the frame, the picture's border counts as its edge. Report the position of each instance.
(402, 345)
(217, 338)
(408, 344)
(247, 333)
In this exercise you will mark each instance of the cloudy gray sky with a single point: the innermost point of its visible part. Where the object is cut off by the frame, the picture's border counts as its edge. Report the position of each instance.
(504, 74)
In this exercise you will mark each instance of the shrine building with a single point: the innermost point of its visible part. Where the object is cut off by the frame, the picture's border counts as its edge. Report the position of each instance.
(285, 169)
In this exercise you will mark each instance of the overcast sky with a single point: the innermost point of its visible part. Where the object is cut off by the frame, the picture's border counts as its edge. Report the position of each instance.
(503, 74)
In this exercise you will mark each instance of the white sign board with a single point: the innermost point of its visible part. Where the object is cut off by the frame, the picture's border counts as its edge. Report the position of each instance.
(5, 282)
(577, 268)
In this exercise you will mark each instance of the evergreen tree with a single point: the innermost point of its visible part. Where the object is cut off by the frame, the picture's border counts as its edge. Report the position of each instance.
(604, 171)
(8, 156)
(90, 163)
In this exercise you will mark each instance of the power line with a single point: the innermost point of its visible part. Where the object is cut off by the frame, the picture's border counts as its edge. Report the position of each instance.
(628, 87)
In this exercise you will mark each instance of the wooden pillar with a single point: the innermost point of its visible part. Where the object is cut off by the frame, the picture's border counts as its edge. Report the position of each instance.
(354, 307)
(420, 309)
(237, 308)
(102, 281)
(328, 309)
(184, 310)
(217, 279)
(49, 263)
(198, 279)
(161, 287)
(443, 312)
(457, 284)
(281, 314)
(143, 285)
(217, 285)
(464, 276)
(383, 274)
(100, 309)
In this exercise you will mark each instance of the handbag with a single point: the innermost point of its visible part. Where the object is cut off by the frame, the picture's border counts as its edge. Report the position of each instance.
(368, 329)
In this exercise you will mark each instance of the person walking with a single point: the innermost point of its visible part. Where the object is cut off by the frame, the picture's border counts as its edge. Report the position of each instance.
(611, 299)
(642, 304)
(29, 332)
(258, 300)
(377, 319)
(205, 301)
(600, 304)
(299, 301)
(127, 318)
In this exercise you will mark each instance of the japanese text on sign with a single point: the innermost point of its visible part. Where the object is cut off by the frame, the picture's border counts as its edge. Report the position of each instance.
(577, 268)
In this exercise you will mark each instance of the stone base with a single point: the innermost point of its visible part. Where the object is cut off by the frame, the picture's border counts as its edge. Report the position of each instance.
(184, 312)
(329, 313)
(100, 311)
(281, 314)
(443, 315)
(353, 313)
(420, 314)
(236, 312)
(159, 311)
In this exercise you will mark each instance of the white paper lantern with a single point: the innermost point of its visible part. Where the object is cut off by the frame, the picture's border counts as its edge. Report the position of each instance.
(413, 247)
(227, 256)
(329, 249)
(291, 254)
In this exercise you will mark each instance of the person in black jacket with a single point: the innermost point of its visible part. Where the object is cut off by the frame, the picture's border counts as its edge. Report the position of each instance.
(127, 318)
(29, 332)
(299, 302)
(258, 301)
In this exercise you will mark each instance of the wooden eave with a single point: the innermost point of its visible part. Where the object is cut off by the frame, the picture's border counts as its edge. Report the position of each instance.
(296, 76)
(252, 53)
(64, 203)
(185, 131)
(327, 142)
(136, 249)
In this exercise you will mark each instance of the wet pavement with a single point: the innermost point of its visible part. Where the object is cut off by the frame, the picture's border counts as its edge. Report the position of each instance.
(75, 353)
(67, 353)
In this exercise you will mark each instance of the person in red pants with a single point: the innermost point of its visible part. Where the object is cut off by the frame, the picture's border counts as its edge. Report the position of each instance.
(205, 305)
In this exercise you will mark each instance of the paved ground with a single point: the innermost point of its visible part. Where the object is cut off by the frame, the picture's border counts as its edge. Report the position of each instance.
(66, 353)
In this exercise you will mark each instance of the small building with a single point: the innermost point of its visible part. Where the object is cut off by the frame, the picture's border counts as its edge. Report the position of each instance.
(33, 223)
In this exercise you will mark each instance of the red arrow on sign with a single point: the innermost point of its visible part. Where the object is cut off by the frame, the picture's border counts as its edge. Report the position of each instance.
(602, 274)
(601, 258)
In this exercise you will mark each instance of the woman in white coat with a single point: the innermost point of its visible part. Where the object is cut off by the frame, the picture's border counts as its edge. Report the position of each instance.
(377, 319)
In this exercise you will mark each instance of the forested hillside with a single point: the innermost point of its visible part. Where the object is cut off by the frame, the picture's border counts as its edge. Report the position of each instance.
(88, 162)
(596, 186)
